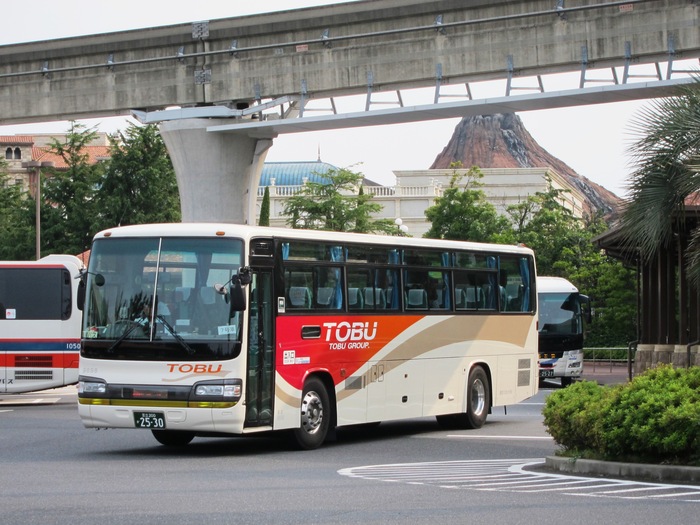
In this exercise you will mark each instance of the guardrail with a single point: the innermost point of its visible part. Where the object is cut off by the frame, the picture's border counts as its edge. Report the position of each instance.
(608, 357)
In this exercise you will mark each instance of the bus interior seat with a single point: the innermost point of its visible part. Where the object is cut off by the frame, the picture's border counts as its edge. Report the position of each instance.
(374, 298)
(354, 299)
(416, 299)
(473, 298)
(324, 297)
(299, 297)
(460, 298)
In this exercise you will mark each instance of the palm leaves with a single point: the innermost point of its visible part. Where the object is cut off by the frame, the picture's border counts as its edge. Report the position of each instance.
(666, 155)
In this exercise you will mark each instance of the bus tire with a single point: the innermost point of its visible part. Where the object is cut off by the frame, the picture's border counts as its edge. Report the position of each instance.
(315, 415)
(173, 438)
(478, 398)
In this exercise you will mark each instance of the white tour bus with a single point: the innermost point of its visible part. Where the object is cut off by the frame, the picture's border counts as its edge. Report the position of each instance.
(222, 329)
(39, 323)
(562, 311)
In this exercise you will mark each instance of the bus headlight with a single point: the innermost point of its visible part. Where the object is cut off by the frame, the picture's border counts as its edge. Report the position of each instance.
(91, 386)
(218, 390)
(215, 392)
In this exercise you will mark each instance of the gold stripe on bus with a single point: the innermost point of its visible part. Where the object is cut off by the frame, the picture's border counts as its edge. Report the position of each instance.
(157, 404)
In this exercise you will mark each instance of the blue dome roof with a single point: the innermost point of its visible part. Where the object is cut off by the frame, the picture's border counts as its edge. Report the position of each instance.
(293, 173)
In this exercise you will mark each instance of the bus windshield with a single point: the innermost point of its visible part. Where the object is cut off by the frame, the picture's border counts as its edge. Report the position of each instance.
(560, 314)
(151, 298)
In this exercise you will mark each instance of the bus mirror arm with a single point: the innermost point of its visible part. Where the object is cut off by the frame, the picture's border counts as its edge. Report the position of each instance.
(99, 281)
(234, 292)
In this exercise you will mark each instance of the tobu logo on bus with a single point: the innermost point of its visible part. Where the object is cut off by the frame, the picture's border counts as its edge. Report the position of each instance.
(349, 335)
(187, 368)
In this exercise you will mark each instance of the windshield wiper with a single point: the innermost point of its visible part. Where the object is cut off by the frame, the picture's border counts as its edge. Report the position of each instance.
(177, 336)
(126, 334)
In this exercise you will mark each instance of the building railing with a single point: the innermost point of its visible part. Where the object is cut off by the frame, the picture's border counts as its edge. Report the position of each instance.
(429, 190)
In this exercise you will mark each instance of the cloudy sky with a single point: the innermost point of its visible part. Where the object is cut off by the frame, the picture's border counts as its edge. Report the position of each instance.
(592, 140)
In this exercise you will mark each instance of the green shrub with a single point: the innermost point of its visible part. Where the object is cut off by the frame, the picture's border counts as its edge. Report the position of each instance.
(654, 418)
(572, 415)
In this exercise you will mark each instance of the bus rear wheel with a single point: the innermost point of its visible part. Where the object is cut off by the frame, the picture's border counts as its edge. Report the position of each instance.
(478, 398)
(315, 415)
(173, 438)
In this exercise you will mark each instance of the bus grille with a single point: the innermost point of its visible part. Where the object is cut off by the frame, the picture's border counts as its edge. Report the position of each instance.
(33, 361)
(33, 375)
(523, 372)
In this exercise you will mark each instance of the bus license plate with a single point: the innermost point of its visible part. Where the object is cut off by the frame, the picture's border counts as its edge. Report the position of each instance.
(546, 373)
(149, 420)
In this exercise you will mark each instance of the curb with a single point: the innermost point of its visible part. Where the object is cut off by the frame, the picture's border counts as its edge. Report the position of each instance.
(637, 471)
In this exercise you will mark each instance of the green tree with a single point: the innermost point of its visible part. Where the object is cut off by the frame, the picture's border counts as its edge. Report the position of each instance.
(667, 160)
(138, 185)
(16, 220)
(544, 224)
(265, 208)
(336, 204)
(69, 209)
(463, 212)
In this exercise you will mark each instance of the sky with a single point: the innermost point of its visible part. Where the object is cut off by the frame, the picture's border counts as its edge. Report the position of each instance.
(593, 140)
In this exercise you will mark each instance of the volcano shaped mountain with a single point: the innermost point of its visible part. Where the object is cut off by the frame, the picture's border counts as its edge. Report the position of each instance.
(501, 141)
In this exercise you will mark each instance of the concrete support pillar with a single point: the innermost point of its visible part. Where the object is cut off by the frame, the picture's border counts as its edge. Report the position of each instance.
(217, 173)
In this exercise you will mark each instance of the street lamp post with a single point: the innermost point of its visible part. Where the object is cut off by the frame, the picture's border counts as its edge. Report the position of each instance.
(401, 226)
(35, 166)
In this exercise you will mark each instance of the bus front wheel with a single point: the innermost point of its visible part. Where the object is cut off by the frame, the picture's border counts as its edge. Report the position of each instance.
(173, 438)
(315, 415)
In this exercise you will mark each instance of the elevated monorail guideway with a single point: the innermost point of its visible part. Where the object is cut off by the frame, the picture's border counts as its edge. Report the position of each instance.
(239, 82)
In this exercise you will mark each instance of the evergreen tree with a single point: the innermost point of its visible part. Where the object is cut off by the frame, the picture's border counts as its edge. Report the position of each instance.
(138, 185)
(69, 210)
(265, 208)
(17, 222)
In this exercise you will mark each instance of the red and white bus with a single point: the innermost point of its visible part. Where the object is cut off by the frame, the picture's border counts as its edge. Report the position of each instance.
(221, 329)
(39, 323)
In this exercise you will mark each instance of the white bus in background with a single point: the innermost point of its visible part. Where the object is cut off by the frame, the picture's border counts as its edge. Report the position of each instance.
(562, 312)
(39, 323)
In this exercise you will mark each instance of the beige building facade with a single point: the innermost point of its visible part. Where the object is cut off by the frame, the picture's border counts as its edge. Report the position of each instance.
(415, 191)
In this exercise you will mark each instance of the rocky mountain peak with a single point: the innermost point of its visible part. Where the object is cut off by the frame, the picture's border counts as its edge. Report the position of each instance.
(501, 141)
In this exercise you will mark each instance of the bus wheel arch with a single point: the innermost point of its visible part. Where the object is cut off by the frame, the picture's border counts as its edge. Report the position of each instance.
(318, 414)
(478, 400)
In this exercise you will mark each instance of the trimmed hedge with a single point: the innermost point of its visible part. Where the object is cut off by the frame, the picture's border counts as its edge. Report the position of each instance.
(655, 418)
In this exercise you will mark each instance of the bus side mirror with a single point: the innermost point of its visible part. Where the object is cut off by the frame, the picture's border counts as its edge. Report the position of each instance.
(586, 308)
(237, 297)
(80, 299)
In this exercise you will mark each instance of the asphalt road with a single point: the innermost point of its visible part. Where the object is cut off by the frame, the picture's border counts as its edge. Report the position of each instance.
(56, 472)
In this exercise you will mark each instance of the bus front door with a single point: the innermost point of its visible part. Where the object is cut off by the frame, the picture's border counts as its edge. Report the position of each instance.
(259, 387)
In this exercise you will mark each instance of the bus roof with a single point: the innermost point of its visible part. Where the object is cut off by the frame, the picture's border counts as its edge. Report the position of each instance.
(71, 262)
(554, 285)
(248, 232)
